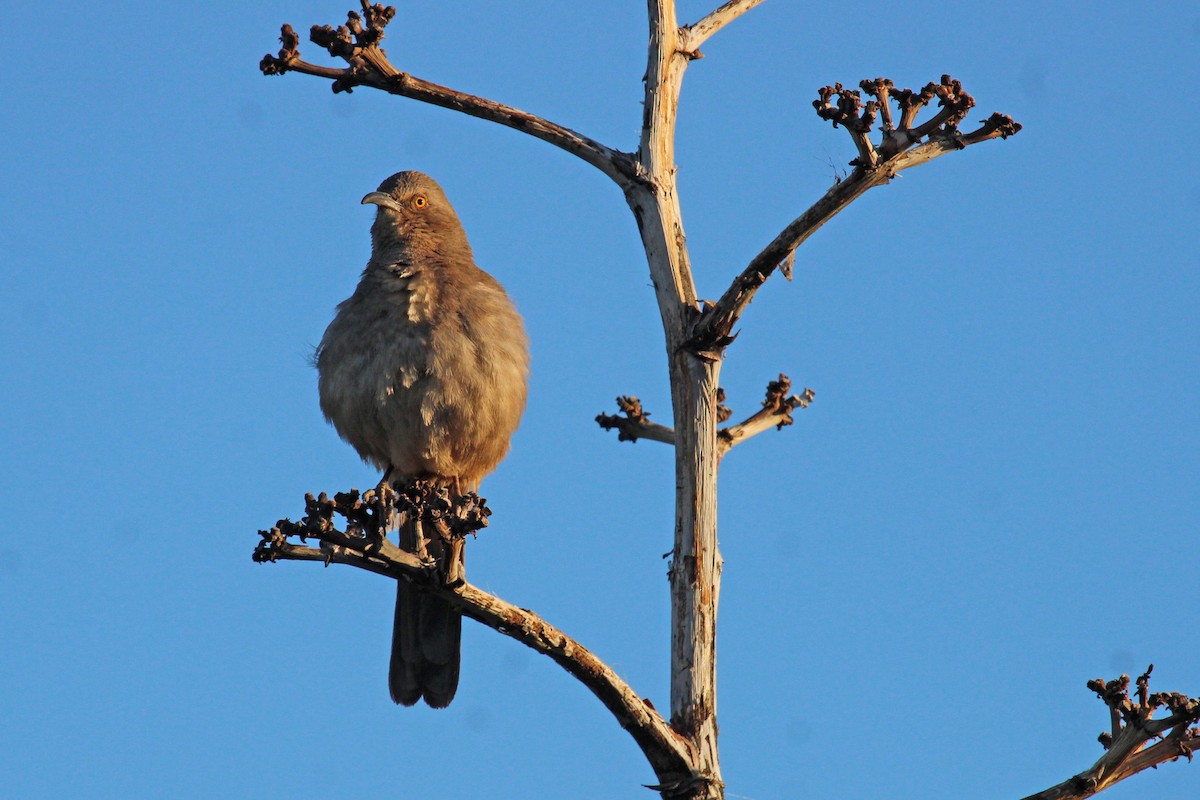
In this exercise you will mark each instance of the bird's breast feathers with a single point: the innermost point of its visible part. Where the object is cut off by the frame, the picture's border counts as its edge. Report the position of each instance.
(412, 379)
(413, 291)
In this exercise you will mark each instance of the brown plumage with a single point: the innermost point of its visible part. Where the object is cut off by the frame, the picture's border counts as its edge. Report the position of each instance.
(423, 371)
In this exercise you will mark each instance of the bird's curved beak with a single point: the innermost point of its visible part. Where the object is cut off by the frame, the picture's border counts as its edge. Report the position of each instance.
(381, 199)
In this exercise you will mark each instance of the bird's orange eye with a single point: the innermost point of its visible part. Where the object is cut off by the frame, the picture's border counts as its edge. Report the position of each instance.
(419, 201)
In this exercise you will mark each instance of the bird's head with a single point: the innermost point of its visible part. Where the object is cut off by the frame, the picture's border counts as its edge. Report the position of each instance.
(414, 214)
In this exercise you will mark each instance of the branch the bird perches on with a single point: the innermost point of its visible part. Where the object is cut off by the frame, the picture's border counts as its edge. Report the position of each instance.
(362, 543)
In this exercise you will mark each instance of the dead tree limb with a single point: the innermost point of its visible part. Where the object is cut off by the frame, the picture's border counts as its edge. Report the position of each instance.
(699, 32)
(776, 413)
(1133, 729)
(633, 423)
(875, 165)
(363, 544)
(357, 42)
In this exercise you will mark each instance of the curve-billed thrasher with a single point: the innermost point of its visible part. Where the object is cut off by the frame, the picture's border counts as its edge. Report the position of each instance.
(423, 370)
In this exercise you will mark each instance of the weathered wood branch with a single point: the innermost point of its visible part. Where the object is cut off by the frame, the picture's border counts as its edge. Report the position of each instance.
(699, 32)
(713, 330)
(1133, 728)
(875, 165)
(633, 423)
(364, 545)
(776, 413)
(695, 566)
(370, 67)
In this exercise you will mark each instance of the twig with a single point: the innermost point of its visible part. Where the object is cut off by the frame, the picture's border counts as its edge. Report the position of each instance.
(698, 33)
(875, 165)
(1133, 727)
(776, 413)
(854, 116)
(362, 546)
(635, 423)
(357, 43)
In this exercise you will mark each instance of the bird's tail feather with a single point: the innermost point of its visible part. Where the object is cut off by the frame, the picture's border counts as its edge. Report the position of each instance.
(426, 638)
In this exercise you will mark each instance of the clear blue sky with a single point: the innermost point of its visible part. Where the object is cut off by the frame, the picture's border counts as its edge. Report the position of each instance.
(993, 499)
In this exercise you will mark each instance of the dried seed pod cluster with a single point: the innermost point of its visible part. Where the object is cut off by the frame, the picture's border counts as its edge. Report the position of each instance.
(846, 108)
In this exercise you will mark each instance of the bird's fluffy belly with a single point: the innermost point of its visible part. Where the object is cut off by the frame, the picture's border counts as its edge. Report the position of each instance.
(424, 403)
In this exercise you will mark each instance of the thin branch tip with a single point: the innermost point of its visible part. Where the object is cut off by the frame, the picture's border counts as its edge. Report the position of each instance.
(633, 423)
(289, 53)
(357, 42)
(1137, 740)
(699, 32)
(900, 134)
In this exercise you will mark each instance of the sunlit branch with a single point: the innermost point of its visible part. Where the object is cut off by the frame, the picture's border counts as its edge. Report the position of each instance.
(698, 33)
(363, 545)
(369, 66)
(874, 165)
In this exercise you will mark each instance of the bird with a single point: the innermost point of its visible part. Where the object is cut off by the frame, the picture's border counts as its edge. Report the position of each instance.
(424, 372)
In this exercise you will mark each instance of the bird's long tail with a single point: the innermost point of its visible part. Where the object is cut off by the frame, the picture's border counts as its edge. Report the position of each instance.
(426, 631)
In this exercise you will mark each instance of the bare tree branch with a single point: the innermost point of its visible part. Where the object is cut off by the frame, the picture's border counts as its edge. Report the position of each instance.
(634, 423)
(776, 413)
(358, 43)
(698, 33)
(713, 330)
(364, 545)
(1133, 727)
(898, 151)
(695, 566)
(654, 200)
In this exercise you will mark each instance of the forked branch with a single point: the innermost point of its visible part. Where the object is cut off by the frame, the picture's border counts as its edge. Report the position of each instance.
(1128, 742)
(363, 544)
(899, 148)
(633, 423)
(776, 412)
(357, 42)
